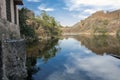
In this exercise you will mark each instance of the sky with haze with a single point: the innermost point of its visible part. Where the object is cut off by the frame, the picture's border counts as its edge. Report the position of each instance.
(69, 12)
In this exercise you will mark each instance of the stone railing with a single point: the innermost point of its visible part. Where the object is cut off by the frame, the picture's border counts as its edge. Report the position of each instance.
(9, 30)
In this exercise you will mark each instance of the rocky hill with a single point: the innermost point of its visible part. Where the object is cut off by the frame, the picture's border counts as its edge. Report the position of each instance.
(99, 22)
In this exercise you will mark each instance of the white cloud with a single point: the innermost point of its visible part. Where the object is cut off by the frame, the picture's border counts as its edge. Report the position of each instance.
(75, 4)
(67, 21)
(79, 16)
(43, 7)
(96, 67)
(90, 11)
(81, 9)
(69, 69)
(33, 0)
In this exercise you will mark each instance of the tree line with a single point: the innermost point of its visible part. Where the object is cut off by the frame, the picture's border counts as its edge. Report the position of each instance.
(38, 27)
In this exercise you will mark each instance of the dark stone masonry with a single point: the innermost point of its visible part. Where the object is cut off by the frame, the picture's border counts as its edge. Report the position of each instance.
(14, 59)
(12, 47)
(12, 52)
(0, 61)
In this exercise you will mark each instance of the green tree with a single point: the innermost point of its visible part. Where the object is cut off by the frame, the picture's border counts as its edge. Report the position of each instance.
(26, 30)
(49, 24)
(43, 25)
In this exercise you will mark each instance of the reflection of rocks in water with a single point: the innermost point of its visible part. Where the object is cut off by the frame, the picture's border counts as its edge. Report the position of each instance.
(14, 59)
(44, 49)
(101, 44)
(31, 61)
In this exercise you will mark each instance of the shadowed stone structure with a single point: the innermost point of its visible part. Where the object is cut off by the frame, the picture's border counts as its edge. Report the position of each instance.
(0, 62)
(12, 47)
(14, 59)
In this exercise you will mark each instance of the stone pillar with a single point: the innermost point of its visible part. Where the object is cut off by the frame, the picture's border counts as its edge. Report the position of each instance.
(12, 11)
(17, 15)
(0, 9)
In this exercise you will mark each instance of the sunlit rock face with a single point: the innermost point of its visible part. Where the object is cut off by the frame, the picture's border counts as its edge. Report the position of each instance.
(99, 22)
(14, 59)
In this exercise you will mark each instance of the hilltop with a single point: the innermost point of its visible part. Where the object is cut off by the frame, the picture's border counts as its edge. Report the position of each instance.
(98, 22)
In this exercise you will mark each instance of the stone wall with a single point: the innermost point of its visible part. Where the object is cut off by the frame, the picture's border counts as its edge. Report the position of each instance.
(0, 61)
(12, 11)
(12, 52)
(3, 9)
(12, 48)
(9, 30)
(14, 60)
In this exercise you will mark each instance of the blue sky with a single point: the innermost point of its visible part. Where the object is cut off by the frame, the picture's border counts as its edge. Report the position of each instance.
(69, 12)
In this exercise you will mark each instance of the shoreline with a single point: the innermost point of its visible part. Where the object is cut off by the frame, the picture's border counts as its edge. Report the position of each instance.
(112, 34)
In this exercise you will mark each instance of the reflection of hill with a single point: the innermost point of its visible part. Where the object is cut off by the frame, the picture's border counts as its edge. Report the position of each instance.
(101, 44)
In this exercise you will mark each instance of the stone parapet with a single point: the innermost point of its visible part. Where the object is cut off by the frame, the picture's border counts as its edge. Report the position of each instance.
(9, 30)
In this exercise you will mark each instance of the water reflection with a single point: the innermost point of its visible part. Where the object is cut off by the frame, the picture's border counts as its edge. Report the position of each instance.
(78, 58)
(87, 68)
(100, 44)
(0, 61)
(44, 49)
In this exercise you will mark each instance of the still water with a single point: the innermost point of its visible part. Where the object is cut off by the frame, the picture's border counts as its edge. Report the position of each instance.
(75, 58)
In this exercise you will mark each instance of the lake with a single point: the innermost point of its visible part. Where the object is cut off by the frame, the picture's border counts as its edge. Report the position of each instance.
(75, 58)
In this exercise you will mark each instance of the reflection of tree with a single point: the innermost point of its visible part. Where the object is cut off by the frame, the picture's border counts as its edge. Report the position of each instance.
(49, 50)
(44, 49)
(100, 40)
(0, 61)
(31, 61)
(118, 38)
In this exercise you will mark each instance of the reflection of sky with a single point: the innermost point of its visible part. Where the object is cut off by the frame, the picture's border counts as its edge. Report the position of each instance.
(76, 62)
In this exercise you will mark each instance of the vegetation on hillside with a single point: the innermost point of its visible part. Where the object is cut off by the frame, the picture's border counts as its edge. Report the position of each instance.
(26, 31)
(38, 27)
(46, 26)
(98, 23)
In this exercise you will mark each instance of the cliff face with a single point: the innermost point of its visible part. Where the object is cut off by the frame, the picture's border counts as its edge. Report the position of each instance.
(99, 22)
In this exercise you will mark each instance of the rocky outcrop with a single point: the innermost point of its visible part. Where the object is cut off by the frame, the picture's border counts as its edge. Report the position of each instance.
(99, 22)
